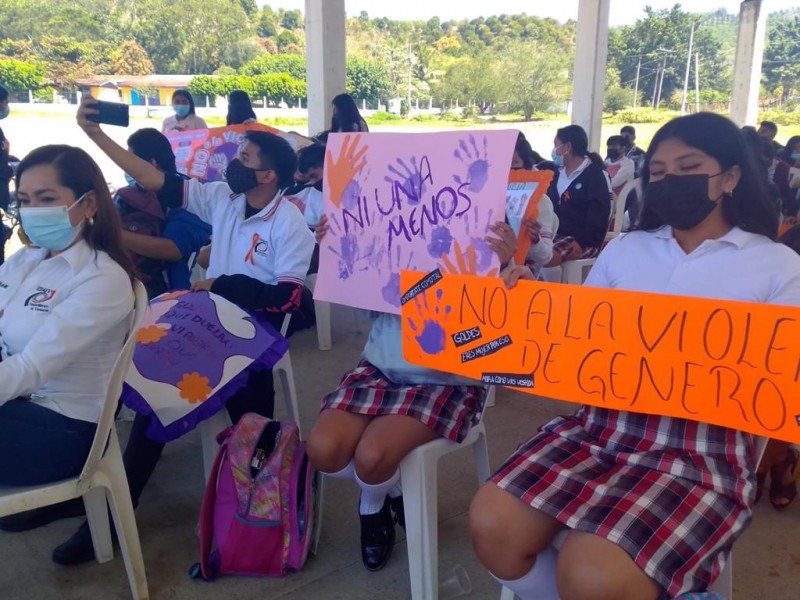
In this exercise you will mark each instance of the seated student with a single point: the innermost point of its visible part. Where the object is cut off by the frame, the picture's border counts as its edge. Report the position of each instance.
(581, 196)
(306, 194)
(768, 130)
(619, 167)
(65, 306)
(382, 410)
(612, 478)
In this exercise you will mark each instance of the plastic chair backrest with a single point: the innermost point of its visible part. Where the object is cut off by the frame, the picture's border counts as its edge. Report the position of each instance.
(118, 373)
(621, 199)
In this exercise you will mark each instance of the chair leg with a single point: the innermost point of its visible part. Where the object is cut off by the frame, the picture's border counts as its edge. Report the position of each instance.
(322, 311)
(286, 376)
(481, 450)
(418, 473)
(319, 505)
(97, 514)
(209, 429)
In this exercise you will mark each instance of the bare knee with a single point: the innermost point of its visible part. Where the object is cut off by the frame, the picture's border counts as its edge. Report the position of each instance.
(327, 452)
(373, 463)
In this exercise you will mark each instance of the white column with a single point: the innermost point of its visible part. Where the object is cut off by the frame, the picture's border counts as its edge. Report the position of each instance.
(325, 56)
(747, 68)
(591, 53)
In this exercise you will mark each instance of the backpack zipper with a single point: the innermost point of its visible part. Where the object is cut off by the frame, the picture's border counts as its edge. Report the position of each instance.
(253, 480)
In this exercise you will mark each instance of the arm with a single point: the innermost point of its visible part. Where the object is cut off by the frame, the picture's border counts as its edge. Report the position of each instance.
(251, 294)
(624, 174)
(542, 251)
(151, 246)
(598, 208)
(142, 171)
(92, 308)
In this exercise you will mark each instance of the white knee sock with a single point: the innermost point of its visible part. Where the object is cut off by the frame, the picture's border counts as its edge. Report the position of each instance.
(540, 582)
(373, 496)
(347, 473)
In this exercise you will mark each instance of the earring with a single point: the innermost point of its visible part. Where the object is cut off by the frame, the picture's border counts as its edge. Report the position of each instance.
(729, 193)
(90, 221)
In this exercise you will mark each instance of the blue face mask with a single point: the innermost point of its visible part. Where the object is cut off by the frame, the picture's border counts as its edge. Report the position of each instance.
(4, 112)
(558, 159)
(49, 226)
(181, 110)
(795, 156)
(131, 181)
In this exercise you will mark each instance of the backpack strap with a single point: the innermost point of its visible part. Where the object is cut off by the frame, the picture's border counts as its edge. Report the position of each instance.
(209, 571)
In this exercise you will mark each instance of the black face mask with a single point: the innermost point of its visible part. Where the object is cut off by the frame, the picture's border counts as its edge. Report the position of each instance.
(318, 186)
(613, 154)
(681, 201)
(241, 179)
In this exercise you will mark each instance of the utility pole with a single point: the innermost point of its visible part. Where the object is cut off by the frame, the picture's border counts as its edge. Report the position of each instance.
(664, 53)
(697, 82)
(655, 84)
(688, 66)
(636, 87)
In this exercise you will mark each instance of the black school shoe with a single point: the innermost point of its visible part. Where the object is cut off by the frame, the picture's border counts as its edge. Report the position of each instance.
(38, 517)
(79, 548)
(399, 511)
(377, 538)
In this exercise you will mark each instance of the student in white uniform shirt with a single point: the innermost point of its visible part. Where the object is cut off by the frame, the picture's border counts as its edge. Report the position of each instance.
(65, 301)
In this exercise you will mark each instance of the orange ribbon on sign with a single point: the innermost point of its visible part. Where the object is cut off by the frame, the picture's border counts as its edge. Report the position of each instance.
(727, 363)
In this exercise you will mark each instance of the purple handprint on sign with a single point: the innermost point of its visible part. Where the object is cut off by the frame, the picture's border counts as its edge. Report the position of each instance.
(477, 164)
(411, 179)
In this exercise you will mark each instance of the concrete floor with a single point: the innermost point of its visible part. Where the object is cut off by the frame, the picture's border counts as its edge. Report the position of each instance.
(767, 559)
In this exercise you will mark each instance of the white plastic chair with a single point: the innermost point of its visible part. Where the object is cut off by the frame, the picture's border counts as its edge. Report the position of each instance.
(284, 374)
(619, 206)
(418, 478)
(102, 483)
(322, 310)
(723, 585)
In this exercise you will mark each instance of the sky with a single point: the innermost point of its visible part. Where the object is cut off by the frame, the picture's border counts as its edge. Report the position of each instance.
(622, 11)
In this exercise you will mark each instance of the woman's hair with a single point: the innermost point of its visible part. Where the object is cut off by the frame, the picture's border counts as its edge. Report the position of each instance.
(576, 136)
(525, 152)
(321, 137)
(239, 108)
(150, 144)
(749, 207)
(184, 93)
(786, 153)
(346, 117)
(77, 171)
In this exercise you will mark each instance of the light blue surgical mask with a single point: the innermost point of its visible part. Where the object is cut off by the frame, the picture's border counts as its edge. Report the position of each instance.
(795, 156)
(49, 226)
(131, 181)
(181, 110)
(4, 112)
(558, 159)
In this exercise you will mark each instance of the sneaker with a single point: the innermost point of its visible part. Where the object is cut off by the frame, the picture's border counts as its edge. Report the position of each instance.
(38, 517)
(399, 511)
(79, 548)
(377, 538)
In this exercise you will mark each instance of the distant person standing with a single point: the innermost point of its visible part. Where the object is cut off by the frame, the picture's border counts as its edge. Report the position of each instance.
(619, 167)
(184, 118)
(6, 172)
(346, 117)
(632, 151)
(240, 110)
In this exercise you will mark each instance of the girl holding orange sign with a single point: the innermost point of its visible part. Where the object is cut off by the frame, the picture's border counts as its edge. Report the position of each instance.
(651, 504)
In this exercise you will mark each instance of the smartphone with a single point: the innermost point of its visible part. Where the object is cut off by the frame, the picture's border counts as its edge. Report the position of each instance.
(110, 113)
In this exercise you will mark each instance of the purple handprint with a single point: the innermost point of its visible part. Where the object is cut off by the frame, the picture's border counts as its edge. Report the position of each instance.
(477, 164)
(411, 178)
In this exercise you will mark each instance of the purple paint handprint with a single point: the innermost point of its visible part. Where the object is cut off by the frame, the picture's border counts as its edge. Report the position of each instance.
(427, 326)
(477, 164)
(483, 252)
(391, 291)
(411, 178)
(441, 241)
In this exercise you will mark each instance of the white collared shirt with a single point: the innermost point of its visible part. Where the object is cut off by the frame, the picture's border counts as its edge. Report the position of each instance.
(272, 246)
(738, 266)
(564, 180)
(63, 321)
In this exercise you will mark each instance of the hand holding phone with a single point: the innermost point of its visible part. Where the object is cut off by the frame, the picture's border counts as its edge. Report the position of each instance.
(110, 113)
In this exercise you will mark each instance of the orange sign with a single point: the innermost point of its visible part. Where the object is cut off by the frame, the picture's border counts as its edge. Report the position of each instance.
(525, 189)
(733, 364)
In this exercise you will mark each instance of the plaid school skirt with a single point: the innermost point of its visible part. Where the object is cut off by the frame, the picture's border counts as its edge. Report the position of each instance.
(674, 494)
(561, 246)
(449, 411)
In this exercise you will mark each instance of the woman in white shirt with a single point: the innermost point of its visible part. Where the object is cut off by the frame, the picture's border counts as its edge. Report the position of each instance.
(65, 302)
(652, 504)
(184, 118)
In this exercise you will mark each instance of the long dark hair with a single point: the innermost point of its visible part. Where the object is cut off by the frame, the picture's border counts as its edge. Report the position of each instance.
(150, 144)
(749, 207)
(239, 108)
(186, 94)
(786, 153)
(77, 171)
(579, 141)
(525, 152)
(346, 116)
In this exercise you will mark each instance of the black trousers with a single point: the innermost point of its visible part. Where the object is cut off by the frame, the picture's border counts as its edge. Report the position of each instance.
(142, 454)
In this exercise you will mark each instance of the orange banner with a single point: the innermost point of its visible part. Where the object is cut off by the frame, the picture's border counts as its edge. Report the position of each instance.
(726, 363)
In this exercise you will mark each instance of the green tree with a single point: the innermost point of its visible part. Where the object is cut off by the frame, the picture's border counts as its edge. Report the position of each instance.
(204, 85)
(292, 64)
(781, 73)
(292, 19)
(286, 39)
(279, 86)
(266, 24)
(536, 77)
(249, 7)
(367, 79)
(478, 80)
(19, 76)
(130, 59)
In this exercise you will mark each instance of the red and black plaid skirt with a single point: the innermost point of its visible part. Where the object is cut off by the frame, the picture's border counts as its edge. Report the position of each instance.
(447, 410)
(674, 494)
(561, 246)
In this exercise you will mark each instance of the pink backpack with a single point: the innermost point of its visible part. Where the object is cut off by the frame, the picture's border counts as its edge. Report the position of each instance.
(258, 505)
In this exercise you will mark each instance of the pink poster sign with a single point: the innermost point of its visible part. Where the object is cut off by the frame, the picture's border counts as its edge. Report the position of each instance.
(417, 201)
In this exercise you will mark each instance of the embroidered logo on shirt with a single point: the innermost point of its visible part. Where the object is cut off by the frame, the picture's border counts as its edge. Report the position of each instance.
(257, 246)
(3, 285)
(38, 301)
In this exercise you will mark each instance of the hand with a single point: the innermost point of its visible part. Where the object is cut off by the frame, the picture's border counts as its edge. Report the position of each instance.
(513, 274)
(89, 127)
(575, 251)
(534, 229)
(506, 245)
(6, 146)
(321, 229)
(203, 285)
(340, 172)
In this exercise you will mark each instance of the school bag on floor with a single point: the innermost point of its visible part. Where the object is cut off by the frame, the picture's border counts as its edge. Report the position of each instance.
(257, 515)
